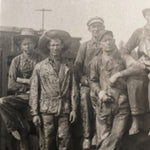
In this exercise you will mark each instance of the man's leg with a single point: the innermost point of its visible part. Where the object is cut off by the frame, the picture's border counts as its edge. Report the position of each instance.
(138, 100)
(86, 116)
(118, 129)
(64, 138)
(10, 110)
(94, 101)
(103, 123)
(49, 132)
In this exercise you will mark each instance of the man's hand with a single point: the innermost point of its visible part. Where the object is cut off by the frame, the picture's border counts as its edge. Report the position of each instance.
(104, 97)
(37, 120)
(72, 117)
(84, 80)
(101, 94)
(114, 77)
(23, 80)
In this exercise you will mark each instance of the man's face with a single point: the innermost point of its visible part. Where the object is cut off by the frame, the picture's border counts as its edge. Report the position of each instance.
(108, 43)
(96, 28)
(27, 45)
(147, 16)
(55, 46)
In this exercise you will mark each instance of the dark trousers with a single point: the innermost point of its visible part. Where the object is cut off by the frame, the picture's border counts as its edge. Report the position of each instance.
(12, 109)
(56, 132)
(110, 128)
(86, 111)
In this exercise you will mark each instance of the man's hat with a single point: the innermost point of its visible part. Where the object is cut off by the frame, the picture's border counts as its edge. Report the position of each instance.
(104, 32)
(26, 33)
(95, 19)
(144, 11)
(51, 34)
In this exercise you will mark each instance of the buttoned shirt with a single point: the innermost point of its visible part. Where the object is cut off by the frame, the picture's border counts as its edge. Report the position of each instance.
(102, 70)
(21, 66)
(52, 92)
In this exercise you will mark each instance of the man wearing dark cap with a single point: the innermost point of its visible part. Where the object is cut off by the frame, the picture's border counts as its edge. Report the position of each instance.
(138, 93)
(53, 94)
(85, 54)
(112, 104)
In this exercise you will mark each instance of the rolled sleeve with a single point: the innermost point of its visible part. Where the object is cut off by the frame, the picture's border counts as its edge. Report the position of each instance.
(13, 70)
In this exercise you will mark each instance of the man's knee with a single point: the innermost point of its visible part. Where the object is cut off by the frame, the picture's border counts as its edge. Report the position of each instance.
(84, 96)
(2, 100)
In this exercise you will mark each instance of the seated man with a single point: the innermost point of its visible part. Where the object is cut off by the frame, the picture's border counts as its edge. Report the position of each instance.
(53, 93)
(137, 72)
(13, 106)
(112, 103)
(138, 84)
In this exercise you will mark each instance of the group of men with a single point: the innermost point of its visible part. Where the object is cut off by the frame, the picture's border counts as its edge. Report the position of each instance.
(106, 86)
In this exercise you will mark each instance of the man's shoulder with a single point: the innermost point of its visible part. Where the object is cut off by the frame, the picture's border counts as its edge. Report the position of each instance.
(41, 64)
(84, 44)
(16, 59)
(138, 31)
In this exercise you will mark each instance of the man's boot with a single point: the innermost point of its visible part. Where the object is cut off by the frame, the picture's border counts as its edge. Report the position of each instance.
(86, 144)
(135, 125)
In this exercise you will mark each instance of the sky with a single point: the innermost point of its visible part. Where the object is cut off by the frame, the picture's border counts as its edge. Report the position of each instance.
(120, 16)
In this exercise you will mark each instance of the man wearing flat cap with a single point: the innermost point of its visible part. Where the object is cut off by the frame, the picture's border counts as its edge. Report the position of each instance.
(112, 104)
(138, 83)
(53, 93)
(85, 54)
(20, 71)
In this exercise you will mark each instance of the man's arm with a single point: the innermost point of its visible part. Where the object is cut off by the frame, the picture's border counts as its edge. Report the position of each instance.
(74, 99)
(133, 42)
(23, 80)
(133, 69)
(13, 85)
(94, 77)
(79, 62)
(34, 92)
(97, 95)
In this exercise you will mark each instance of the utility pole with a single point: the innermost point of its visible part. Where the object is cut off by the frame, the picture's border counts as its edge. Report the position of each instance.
(43, 17)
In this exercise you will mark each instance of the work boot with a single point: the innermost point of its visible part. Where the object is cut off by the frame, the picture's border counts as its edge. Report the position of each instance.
(94, 139)
(135, 126)
(86, 144)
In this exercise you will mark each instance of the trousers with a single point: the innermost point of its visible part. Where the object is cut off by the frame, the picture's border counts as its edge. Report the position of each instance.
(12, 110)
(56, 132)
(111, 127)
(86, 112)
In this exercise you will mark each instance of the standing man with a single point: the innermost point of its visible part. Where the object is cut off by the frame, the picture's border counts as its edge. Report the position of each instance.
(138, 85)
(85, 54)
(53, 94)
(112, 103)
(20, 71)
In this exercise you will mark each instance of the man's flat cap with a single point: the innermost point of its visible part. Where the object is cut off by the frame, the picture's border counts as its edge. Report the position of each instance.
(105, 32)
(94, 20)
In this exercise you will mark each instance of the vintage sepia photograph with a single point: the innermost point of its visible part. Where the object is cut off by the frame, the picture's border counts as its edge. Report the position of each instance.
(74, 75)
